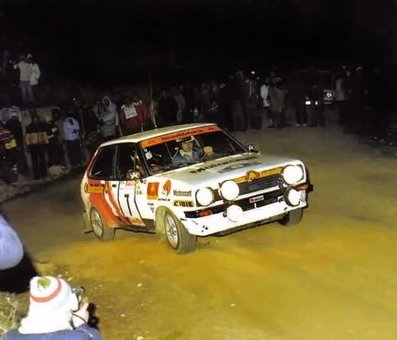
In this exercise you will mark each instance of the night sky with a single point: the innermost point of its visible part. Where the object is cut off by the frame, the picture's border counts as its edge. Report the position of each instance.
(120, 40)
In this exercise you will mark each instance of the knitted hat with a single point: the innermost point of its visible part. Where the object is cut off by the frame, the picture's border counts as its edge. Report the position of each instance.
(48, 293)
(52, 301)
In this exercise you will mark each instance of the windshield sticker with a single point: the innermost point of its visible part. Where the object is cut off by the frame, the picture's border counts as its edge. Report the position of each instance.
(234, 160)
(175, 135)
(153, 191)
(186, 204)
(182, 193)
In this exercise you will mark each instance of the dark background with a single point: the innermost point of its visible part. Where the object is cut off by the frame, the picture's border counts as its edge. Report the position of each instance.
(122, 41)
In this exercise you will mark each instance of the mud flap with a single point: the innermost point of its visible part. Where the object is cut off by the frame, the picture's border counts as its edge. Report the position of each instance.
(87, 224)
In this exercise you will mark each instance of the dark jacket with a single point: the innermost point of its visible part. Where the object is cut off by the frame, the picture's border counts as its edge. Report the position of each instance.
(83, 332)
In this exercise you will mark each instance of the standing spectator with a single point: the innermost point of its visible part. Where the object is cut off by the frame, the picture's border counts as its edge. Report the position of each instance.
(297, 96)
(36, 141)
(251, 102)
(71, 136)
(167, 109)
(315, 94)
(25, 74)
(35, 76)
(238, 108)
(11, 249)
(15, 127)
(180, 100)
(264, 94)
(108, 119)
(188, 94)
(224, 109)
(56, 311)
(359, 94)
(340, 96)
(54, 150)
(134, 115)
(277, 95)
(347, 108)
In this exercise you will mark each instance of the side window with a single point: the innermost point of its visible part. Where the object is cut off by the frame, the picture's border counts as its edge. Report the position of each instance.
(125, 160)
(103, 165)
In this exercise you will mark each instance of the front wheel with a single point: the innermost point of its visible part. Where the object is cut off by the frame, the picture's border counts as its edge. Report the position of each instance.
(99, 227)
(293, 217)
(177, 236)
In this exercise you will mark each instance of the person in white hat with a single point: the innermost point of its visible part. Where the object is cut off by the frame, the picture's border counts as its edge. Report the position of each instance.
(55, 312)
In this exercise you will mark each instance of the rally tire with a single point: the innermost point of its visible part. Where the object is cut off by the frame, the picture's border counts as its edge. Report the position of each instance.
(176, 234)
(99, 227)
(292, 218)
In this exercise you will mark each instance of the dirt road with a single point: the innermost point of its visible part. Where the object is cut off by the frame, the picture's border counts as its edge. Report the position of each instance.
(334, 276)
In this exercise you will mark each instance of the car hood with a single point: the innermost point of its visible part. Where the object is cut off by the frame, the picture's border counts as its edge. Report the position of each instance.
(221, 169)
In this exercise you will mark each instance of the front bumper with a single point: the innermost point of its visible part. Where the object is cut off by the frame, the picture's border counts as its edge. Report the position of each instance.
(215, 223)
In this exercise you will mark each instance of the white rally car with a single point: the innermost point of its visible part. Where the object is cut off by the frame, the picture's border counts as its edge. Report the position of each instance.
(186, 181)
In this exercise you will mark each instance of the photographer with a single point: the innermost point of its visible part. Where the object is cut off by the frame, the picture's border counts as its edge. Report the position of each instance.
(56, 311)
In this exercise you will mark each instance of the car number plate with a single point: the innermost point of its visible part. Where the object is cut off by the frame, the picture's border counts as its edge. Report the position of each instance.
(11, 144)
(256, 199)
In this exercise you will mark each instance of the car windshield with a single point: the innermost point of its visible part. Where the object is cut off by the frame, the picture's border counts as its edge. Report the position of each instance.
(182, 149)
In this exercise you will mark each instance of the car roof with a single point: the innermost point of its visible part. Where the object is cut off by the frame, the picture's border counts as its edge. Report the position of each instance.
(140, 136)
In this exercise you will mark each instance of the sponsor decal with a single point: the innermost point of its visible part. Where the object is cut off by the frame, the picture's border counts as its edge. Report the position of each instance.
(264, 173)
(252, 175)
(163, 199)
(186, 204)
(166, 188)
(94, 188)
(179, 134)
(182, 193)
(230, 161)
(153, 190)
(256, 199)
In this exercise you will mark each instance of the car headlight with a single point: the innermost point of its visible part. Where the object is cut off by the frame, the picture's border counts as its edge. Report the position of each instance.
(230, 190)
(293, 197)
(205, 196)
(292, 174)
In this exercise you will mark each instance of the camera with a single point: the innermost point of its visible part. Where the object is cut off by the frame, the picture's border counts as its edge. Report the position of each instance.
(79, 293)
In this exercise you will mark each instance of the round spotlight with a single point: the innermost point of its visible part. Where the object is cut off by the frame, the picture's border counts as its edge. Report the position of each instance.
(293, 197)
(230, 190)
(292, 174)
(234, 213)
(205, 196)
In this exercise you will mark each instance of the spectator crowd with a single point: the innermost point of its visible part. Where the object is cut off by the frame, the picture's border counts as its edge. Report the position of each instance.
(241, 101)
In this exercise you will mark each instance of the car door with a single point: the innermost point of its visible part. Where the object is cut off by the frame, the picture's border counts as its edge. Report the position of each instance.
(128, 188)
(102, 187)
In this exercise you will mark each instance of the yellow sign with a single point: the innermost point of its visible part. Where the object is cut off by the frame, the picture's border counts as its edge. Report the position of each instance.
(94, 188)
(254, 175)
(186, 204)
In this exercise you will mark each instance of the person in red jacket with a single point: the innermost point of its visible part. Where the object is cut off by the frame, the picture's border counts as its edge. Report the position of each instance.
(134, 115)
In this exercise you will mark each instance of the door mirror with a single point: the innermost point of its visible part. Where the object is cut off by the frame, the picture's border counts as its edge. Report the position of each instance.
(251, 148)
